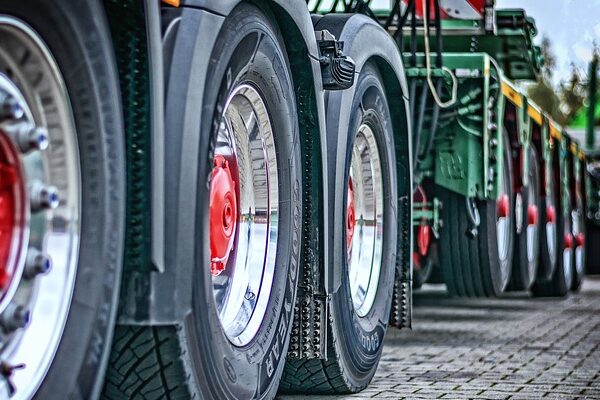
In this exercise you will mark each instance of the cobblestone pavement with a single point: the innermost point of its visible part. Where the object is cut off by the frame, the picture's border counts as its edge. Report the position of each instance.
(511, 348)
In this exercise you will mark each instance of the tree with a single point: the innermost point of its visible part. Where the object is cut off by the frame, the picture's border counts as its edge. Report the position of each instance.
(542, 92)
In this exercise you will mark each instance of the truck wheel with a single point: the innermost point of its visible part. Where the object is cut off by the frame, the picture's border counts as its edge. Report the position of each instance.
(562, 277)
(247, 237)
(548, 232)
(579, 253)
(360, 307)
(479, 265)
(423, 266)
(62, 198)
(425, 250)
(525, 262)
(592, 259)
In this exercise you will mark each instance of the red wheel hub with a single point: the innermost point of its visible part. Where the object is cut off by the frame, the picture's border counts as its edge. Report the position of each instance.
(568, 241)
(12, 198)
(424, 238)
(580, 239)
(223, 215)
(502, 206)
(532, 214)
(350, 215)
(550, 214)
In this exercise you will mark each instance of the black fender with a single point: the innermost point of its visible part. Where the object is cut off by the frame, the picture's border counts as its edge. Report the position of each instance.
(365, 40)
(189, 35)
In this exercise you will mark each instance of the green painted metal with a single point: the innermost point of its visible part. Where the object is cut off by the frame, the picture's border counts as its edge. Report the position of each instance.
(512, 46)
(468, 142)
(591, 120)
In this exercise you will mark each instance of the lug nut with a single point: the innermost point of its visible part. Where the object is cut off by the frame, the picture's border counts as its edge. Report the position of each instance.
(28, 137)
(14, 317)
(11, 109)
(43, 197)
(36, 263)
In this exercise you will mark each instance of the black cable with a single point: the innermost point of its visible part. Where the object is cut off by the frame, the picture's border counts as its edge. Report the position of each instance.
(413, 35)
(438, 32)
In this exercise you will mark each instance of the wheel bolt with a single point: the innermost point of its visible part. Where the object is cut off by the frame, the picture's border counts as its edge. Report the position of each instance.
(43, 197)
(14, 317)
(36, 263)
(11, 109)
(28, 137)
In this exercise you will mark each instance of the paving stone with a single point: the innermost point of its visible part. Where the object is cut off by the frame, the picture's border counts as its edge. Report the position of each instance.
(516, 348)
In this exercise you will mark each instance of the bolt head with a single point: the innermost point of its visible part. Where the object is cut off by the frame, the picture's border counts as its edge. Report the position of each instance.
(11, 109)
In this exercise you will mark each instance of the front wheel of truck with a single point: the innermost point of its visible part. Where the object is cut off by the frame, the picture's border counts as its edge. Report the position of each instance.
(62, 196)
(247, 230)
(477, 264)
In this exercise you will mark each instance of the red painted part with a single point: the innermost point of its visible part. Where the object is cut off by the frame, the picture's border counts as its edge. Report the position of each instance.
(502, 206)
(550, 214)
(580, 239)
(532, 214)
(223, 215)
(350, 215)
(568, 241)
(424, 238)
(453, 9)
(12, 205)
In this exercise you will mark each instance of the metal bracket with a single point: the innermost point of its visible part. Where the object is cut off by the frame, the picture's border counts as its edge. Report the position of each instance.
(337, 70)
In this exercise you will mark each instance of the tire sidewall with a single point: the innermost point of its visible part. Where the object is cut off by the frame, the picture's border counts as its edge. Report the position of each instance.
(361, 338)
(225, 370)
(522, 265)
(548, 261)
(78, 39)
(489, 212)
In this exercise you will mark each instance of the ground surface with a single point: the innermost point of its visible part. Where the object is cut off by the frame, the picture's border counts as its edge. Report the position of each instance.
(510, 348)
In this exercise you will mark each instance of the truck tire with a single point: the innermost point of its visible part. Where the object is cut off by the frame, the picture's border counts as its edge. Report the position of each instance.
(480, 265)
(66, 199)
(247, 237)
(526, 258)
(425, 247)
(579, 238)
(561, 280)
(548, 232)
(592, 236)
(360, 307)
(426, 266)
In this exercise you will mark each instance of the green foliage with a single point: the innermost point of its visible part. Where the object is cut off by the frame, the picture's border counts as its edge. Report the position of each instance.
(562, 103)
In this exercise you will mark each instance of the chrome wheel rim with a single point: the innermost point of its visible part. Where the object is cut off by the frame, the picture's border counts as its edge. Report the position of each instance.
(551, 235)
(31, 82)
(532, 227)
(577, 221)
(503, 226)
(567, 267)
(243, 270)
(364, 220)
(568, 251)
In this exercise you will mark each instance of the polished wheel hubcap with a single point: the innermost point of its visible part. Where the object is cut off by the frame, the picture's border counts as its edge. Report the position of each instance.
(40, 193)
(532, 227)
(578, 241)
(503, 227)
(243, 214)
(551, 232)
(365, 243)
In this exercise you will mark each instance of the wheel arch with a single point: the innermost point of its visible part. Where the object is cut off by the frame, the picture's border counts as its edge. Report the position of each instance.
(164, 297)
(365, 41)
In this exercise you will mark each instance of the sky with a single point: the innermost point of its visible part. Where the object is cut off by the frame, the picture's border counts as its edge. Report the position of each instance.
(572, 26)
